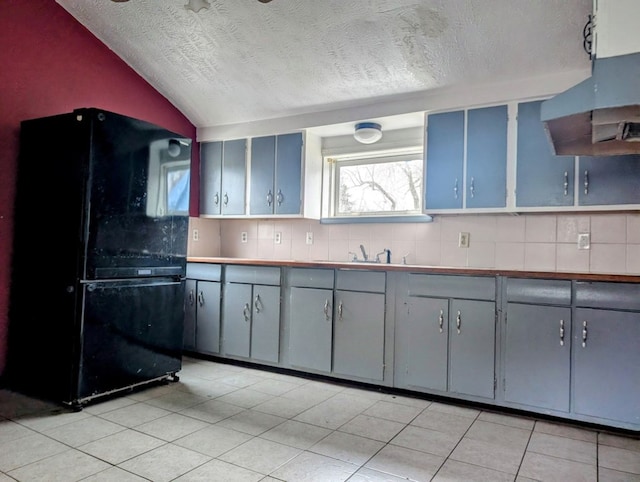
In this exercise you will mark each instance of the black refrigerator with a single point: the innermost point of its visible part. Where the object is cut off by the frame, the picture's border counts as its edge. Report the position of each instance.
(99, 256)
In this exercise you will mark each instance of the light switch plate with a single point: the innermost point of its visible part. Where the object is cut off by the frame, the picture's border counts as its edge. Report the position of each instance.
(584, 241)
(196, 235)
(244, 237)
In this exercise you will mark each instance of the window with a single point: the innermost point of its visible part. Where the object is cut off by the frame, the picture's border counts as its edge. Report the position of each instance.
(389, 184)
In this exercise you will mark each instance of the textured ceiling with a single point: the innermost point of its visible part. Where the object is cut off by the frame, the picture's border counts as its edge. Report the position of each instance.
(242, 60)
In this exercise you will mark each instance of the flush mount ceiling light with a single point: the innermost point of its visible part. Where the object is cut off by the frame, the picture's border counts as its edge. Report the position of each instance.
(368, 132)
(197, 5)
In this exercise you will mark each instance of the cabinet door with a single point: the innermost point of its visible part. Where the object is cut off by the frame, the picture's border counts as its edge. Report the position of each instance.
(542, 179)
(288, 199)
(609, 180)
(208, 318)
(537, 355)
(444, 160)
(189, 337)
(236, 319)
(210, 177)
(472, 347)
(428, 342)
(311, 328)
(263, 159)
(487, 157)
(358, 346)
(606, 370)
(234, 173)
(265, 324)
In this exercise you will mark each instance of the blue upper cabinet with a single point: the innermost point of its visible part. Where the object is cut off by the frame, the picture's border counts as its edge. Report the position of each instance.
(444, 160)
(486, 176)
(263, 156)
(210, 178)
(609, 180)
(276, 175)
(542, 178)
(223, 167)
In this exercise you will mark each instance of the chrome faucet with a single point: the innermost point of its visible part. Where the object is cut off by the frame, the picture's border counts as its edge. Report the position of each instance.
(387, 252)
(364, 253)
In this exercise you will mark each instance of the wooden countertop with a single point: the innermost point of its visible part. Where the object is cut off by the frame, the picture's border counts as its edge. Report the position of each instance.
(418, 269)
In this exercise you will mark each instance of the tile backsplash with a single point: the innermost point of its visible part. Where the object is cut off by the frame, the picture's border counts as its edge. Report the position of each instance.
(531, 242)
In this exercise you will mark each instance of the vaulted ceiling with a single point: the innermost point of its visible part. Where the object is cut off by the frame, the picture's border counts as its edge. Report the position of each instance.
(243, 60)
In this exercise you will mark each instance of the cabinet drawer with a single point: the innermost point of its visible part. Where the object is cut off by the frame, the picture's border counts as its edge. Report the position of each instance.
(311, 278)
(539, 291)
(373, 282)
(204, 271)
(262, 275)
(620, 296)
(453, 286)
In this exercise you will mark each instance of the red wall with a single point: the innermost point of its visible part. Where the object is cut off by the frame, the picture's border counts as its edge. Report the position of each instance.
(51, 64)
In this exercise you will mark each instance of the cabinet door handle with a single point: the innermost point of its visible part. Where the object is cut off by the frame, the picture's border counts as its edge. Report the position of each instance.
(561, 332)
(201, 298)
(586, 182)
(441, 320)
(455, 189)
(216, 199)
(269, 197)
(566, 183)
(340, 311)
(256, 303)
(458, 322)
(246, 312)
(584, 334)
(280, 197)
(226, 199)
(191, 297)
(326, 309)
(472, 187)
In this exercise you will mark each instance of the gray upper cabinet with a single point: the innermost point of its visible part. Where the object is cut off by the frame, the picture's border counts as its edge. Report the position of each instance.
(276, 174)
(537, 344)
(609, 180)
(487, 157)
(542, 178)
(444, 160)
(223, 172)
(606, 354)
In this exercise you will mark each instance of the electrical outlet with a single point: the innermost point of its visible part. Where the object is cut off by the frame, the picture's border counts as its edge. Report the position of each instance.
(244, 237)
(196, 235)
(278, 238)
(584, 241)
(463, 240)
(309, 238)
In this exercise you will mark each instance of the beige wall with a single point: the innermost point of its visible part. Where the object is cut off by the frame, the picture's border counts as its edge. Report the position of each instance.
(532, 242)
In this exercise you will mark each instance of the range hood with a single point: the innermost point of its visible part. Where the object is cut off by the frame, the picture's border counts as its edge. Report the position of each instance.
(601, 115)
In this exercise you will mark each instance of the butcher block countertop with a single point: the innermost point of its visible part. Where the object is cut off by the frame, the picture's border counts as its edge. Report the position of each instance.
(418, 269)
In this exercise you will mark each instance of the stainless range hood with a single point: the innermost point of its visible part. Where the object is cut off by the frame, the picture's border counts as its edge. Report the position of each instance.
(601, 115)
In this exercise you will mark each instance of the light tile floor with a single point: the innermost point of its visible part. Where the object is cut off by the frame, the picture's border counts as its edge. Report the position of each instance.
(228, 423)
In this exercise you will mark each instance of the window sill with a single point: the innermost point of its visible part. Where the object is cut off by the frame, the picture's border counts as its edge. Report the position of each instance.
(418, 218)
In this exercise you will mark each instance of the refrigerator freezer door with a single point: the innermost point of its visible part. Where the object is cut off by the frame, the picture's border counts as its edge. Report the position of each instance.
(138, 190)
(130, 334)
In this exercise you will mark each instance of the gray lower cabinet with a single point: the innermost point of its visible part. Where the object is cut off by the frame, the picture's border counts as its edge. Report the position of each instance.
(606, 352)
(450, 339)
(202, 308)
(428, 323)
(537, 343)
(472, 330)
(251, 312)
(311, 327)
(358, 347)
